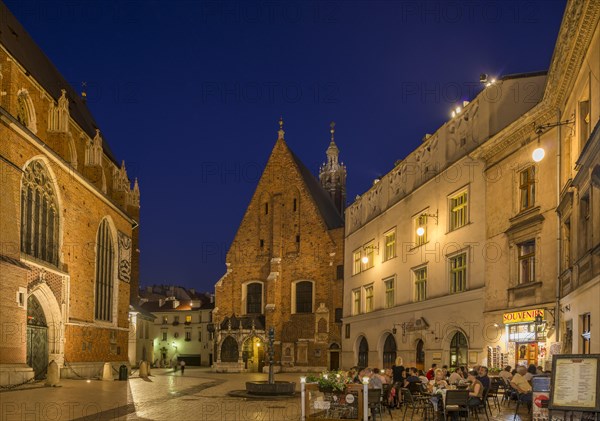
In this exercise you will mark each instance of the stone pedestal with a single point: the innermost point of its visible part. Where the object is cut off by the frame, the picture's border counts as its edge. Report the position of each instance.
(107, 374)
(143, 370)
(53, 375)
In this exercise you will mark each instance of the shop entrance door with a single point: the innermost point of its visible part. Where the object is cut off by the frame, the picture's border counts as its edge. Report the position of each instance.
(527, 353)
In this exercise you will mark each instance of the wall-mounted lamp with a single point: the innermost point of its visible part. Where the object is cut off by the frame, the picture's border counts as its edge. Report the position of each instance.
(370, 247)
(539, 153)
(402, 325)
(421, 228)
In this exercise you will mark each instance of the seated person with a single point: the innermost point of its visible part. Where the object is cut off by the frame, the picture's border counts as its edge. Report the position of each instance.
(456, 376)
(483, 377)
(475, 389)
(506, 374)
(437, 387)
(519, 381)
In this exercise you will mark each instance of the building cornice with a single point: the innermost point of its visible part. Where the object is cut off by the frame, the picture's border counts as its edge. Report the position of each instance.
(576, 31)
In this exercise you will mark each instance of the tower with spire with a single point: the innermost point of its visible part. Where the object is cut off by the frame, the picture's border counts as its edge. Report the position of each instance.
(332, 174)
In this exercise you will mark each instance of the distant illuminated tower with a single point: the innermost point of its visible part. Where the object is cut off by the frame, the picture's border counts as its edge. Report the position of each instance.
(332, 175)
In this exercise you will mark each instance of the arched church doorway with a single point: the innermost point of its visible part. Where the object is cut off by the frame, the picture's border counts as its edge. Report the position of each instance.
(37, 338)
(389, 351)
(253, 354)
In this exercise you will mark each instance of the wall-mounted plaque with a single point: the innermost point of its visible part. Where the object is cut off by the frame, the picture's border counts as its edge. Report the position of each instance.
(575, 383)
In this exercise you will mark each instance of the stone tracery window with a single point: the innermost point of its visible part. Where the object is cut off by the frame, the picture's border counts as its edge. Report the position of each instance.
(105, 253)
(25, 111)
(39, 214)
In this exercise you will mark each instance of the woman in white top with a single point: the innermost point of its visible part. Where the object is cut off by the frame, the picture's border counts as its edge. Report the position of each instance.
(456, 376)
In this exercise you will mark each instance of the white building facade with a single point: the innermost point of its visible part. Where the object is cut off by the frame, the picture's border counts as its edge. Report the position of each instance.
(415, 247)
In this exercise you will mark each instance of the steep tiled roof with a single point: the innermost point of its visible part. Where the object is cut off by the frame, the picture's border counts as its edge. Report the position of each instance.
(327, 208)
(28, 54)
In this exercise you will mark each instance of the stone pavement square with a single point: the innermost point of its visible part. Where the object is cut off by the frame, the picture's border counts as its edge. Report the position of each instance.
(199, 395)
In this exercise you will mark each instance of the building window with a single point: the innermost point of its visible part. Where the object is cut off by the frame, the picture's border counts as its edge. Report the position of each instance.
(527, 188)
(356, 301)
(363, 353)
(164, 336)
(356, 256)
(39, 214)
(229, 350)
(420, 227)
(105, 253)
(266, 208)
(458, 273)
(586, 333)
(370, 256)
(526, 262)
(390, 245)
(25, 111)
(165, 320)
(389, 292)
(584, 122)
(295, 205)
(188, 319)
(420, 283)
(458, 210)
(254, 298)
(458, 350)
(338, 314)
(389, 352)
(304, 297)
(188, 336)
(199, 335)
(22, 297)
(347, 331)
(369, 298)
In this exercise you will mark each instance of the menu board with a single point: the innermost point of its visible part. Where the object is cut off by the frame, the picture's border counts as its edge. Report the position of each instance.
(575, 383)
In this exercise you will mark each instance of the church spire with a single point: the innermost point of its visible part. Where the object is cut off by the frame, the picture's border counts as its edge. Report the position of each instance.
(280, 132)
(332, 174)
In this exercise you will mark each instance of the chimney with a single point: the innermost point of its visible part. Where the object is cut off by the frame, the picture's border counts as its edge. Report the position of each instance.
(212, 298)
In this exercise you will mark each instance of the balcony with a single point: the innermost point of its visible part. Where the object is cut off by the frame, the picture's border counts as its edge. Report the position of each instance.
(187, 323)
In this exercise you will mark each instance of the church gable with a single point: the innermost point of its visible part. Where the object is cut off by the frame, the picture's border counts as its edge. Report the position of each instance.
(288, 210)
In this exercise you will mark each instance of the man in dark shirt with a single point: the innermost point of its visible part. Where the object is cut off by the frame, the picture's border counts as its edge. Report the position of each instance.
(413, 377)
(483, 377)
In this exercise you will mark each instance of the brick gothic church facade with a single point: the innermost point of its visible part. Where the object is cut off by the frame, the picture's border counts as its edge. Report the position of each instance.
(284, 269)
(68, 224)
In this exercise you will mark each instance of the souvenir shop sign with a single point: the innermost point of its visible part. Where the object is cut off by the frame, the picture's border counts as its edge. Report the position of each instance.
(525, 316)
(575, 383)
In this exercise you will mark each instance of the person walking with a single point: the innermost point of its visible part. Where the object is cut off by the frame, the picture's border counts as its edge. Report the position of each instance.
(182, 365)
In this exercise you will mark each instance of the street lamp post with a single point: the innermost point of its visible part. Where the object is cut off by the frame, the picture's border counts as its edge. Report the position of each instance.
(271, 355)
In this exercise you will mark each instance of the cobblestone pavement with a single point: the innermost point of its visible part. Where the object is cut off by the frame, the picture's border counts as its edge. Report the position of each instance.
(198, 395)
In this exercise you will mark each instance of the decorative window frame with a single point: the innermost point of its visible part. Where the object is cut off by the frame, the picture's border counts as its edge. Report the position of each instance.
(386, 304)
(244, 302)
(452, 196)
(293, 294)
(29, 109)
(393, 253)
(415, 278)
(449, 258)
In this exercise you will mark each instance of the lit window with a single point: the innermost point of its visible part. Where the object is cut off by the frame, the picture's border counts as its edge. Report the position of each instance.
(105, 253)
(389, 292)
(356, 301)
(526, 262)
(527, 188)
(188, 319)
(368, 298)
(458, 210)
(458, 273)
(421, 228)
(390, 245)
(356, 256)
(39, 214)
(370, 256)
(165, 320)
(420, 284)
(164, 336)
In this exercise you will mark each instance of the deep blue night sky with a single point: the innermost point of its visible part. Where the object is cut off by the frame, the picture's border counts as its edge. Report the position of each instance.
(189, 94)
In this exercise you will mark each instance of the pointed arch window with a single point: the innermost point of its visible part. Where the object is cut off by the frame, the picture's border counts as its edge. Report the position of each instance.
(363, 353)
(458, 350)
(229, 350)
(389, 352)
(105, 254)
(39, 214)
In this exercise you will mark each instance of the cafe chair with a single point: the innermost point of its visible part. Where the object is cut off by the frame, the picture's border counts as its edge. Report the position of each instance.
(525, 398)
(416, 404)
(374, 403)
(482, 405)
(456, 402)
(386, 401)
(493, 393)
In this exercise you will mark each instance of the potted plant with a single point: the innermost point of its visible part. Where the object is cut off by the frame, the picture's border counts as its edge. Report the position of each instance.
(329, 381)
